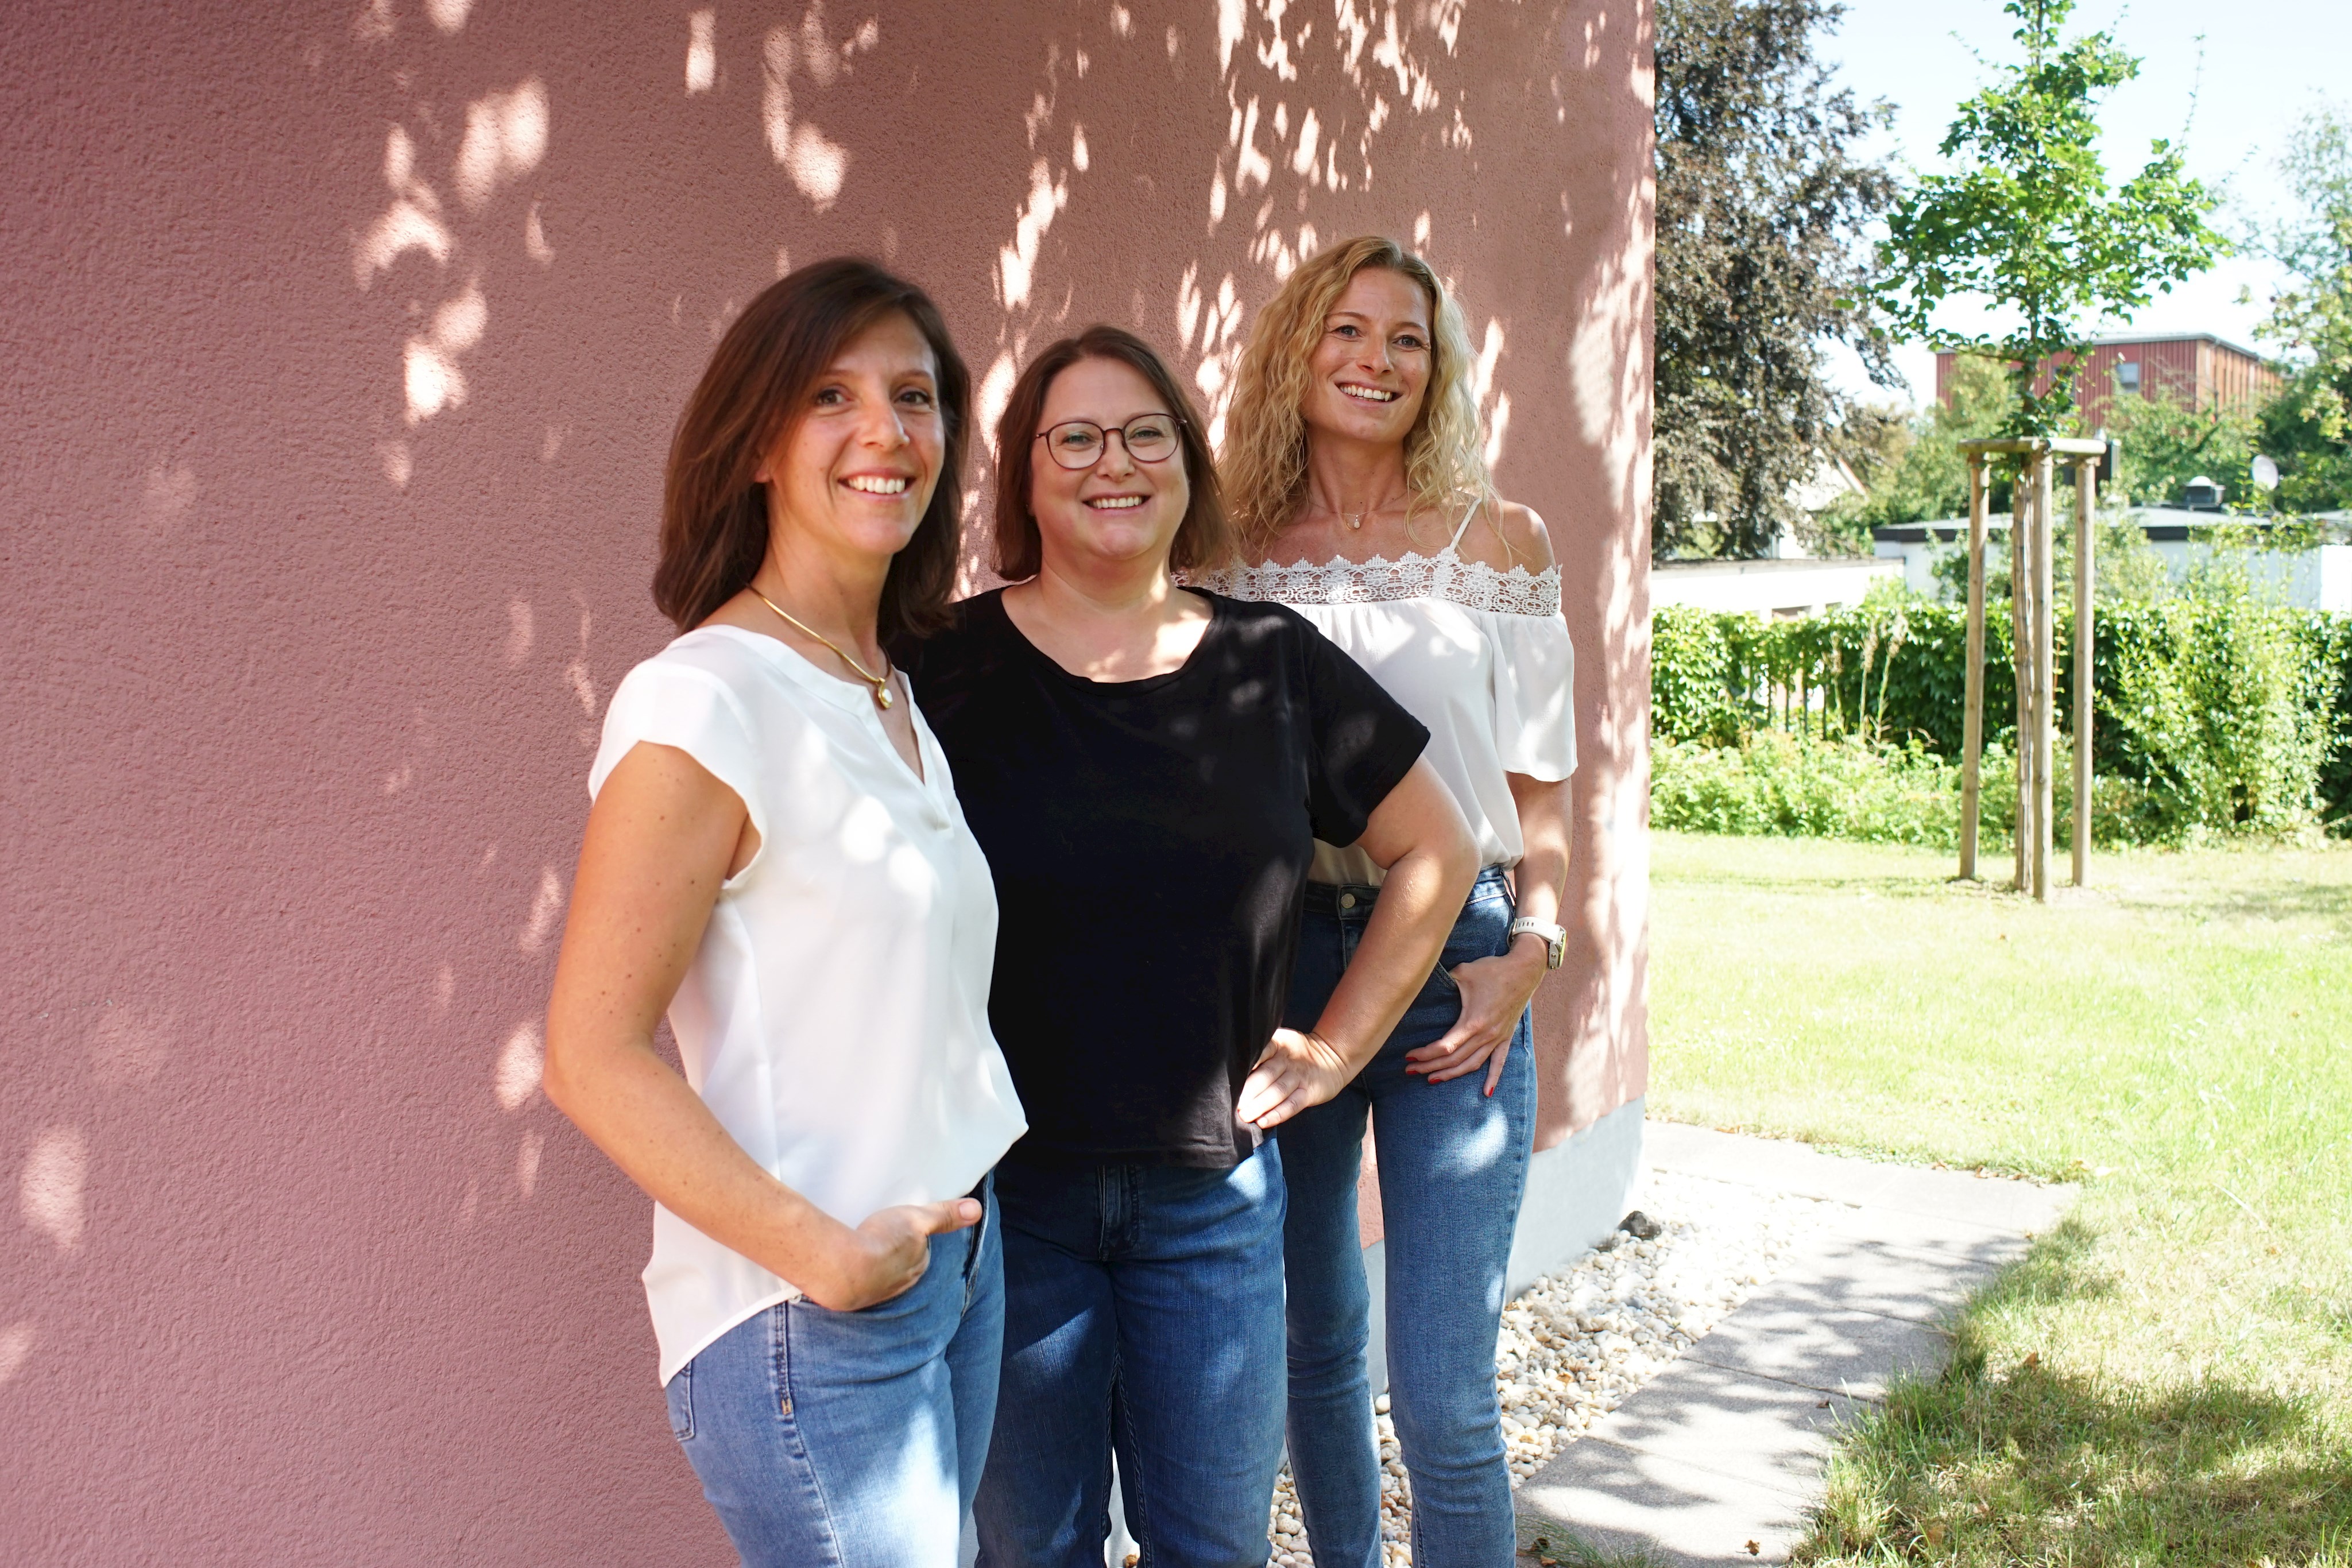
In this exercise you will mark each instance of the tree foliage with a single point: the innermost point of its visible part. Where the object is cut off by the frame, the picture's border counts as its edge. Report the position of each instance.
(1761, 197)
(2027, 220)
(1915, 471)
(2308, 427)
(2169, 441)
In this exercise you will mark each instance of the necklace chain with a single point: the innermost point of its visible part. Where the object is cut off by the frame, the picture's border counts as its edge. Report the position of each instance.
(1355, 520)
(881, 682)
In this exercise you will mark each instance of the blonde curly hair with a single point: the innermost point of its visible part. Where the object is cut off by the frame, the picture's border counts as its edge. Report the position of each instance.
(1263, 461)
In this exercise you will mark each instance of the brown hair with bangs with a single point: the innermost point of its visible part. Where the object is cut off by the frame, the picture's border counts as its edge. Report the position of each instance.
(1202, 540)
(714, 528)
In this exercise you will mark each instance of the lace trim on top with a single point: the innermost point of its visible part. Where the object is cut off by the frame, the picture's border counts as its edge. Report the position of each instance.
(1472, 584)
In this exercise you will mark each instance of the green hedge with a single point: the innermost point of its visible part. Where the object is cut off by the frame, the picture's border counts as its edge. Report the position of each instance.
(1773, 782)
(2223, 714)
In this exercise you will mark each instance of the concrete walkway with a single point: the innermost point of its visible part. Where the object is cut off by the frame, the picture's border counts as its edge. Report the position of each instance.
(1717, 1458)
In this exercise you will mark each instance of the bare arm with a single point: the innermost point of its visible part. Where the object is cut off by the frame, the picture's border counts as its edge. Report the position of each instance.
(1418, 837)
(1496, 991)
(661, 839)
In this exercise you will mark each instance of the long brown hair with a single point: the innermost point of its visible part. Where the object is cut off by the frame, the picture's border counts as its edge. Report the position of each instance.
(714, 528)
(1202, 539)
(1265, 427)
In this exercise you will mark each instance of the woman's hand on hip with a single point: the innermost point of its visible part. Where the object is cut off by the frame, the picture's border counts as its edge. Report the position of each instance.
(1295, 1072)
(887, 1254)
(1495, 992)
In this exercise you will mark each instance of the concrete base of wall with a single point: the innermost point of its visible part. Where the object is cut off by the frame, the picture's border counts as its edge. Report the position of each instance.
(1577, 1191)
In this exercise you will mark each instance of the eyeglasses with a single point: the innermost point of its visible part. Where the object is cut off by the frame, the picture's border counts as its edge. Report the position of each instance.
(1079, 442)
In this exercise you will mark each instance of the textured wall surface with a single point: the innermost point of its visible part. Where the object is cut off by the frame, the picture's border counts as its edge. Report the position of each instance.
(342, 342)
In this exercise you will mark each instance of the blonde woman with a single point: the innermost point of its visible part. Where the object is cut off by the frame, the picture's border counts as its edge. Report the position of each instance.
(1354, 471)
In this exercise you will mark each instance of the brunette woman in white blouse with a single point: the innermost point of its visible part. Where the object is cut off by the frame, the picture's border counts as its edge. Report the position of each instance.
(775, 858)
(1353, 468)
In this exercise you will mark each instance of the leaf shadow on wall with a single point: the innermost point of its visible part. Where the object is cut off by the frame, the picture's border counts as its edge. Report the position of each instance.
(396, 472)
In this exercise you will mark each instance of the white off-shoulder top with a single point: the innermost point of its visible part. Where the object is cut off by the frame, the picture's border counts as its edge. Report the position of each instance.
(836, 1017)
(1479, 655)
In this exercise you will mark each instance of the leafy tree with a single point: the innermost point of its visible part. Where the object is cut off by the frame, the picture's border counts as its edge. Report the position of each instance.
(2168, 442)
(1761, 200)
(1923, 474)
(2308, 427)
(2027, 219)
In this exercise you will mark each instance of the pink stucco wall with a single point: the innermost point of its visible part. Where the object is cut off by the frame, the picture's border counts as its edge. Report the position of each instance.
(342, 345)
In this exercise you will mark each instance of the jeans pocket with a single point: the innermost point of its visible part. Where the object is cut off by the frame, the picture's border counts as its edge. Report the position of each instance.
(679, 1395)
(978, 1238)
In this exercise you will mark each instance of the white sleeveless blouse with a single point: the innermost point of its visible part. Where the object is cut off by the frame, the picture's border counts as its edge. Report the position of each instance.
(1479, 655)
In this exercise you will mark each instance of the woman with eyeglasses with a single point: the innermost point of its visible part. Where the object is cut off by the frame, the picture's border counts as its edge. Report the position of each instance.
(1357, 466)
(1148, 769)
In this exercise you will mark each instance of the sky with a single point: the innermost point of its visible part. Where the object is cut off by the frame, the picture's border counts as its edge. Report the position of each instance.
(2250, 67)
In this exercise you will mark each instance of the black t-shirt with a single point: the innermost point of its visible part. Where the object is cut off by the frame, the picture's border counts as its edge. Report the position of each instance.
(1149, 841)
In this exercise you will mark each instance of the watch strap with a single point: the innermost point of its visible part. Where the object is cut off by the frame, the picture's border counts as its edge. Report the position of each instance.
(1555, 937)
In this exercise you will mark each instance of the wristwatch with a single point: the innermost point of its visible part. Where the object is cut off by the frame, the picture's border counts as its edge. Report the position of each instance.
(1555, 937)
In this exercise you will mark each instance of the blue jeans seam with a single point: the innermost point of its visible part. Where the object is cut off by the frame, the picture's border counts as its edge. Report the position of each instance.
(683, 1381)
(796, 1450)
(1133, 1489)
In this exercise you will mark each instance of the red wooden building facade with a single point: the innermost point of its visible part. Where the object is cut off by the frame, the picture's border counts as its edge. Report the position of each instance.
(2194, 368)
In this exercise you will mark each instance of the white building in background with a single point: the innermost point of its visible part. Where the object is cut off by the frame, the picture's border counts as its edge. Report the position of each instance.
(2318, 577)
(1778, 589)
(1790, 581)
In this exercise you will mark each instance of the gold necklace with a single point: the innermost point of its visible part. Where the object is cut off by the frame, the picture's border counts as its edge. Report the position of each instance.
(881, 682)
(1355, 520)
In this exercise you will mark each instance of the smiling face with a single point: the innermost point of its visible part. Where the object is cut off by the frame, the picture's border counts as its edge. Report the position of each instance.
(1119, 509)
(1371, 367)
(857, 471)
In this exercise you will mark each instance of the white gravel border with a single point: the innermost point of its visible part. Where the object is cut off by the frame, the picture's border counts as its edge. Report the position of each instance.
(1579, 1340)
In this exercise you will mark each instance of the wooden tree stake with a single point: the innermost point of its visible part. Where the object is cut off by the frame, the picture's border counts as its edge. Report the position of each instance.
(2087, 482)
(1972, 710)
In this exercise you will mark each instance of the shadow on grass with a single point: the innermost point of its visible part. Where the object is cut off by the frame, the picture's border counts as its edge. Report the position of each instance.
(1553, 1546)
(2287, 886)
(2331, 902)
(2255, 886)
(2003, 1460)
(1926, 883)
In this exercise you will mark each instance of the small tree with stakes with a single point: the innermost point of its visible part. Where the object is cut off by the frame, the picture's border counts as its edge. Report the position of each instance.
(2026, 223)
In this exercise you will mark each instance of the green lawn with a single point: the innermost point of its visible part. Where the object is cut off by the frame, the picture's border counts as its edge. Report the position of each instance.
(2167, 1378)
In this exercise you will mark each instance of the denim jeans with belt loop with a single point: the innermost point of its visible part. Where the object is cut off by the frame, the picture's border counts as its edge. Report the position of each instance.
(831, 1440)
(1453, 1165)
(1143, 1315)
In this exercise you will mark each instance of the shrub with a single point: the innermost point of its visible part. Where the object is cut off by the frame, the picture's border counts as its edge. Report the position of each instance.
(2215, 707)
(2327, 661)
(1691, 676)
(1773, 783)
(2221, 714)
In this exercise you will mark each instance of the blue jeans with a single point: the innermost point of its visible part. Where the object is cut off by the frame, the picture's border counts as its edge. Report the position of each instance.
(1453, 1168)
(850, 1439)
(1143, 1312)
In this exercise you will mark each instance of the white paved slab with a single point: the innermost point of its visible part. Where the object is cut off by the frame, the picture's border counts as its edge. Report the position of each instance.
(1717, 1458)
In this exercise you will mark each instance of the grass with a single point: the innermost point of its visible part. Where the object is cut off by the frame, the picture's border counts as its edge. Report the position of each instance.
(2166, 1379)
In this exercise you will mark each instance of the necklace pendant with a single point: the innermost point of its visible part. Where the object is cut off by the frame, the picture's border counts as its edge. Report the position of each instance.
(882, 699)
